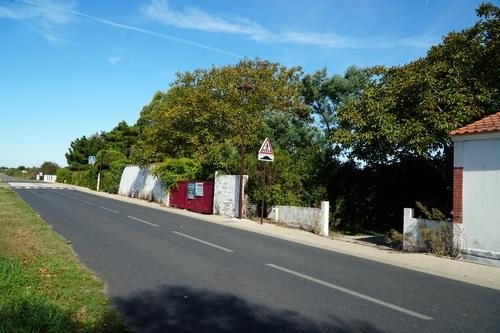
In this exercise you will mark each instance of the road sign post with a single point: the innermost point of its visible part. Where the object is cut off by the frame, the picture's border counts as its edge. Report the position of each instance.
(265, 154)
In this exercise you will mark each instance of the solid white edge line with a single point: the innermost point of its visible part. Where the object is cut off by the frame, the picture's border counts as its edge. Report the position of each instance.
(109, 209)
(202, 241)
(140, 220)
(353, 293)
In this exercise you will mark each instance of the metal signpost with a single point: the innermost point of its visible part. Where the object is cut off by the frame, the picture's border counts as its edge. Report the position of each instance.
(265, 154)
(91, 159)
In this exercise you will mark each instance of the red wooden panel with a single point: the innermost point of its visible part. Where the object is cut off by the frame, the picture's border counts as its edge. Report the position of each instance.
(178, 195)
(200, 204)
(203, 204)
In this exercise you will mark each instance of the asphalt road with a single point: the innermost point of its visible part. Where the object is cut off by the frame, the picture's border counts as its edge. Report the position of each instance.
(171, 273)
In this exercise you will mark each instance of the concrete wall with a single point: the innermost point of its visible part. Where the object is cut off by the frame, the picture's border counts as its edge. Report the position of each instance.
(413, 241)
(299, 217)
(49, 178)
(479, 156)
(138, 182)
(226, 195)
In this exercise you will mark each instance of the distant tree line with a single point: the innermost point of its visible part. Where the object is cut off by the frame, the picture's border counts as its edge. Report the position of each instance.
(371, 141)
(47, 168)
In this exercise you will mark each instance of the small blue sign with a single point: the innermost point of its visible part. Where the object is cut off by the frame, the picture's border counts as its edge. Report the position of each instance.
(190, 190)
(91, 160)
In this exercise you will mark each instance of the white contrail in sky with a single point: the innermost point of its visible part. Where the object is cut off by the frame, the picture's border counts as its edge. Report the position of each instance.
(133, 28)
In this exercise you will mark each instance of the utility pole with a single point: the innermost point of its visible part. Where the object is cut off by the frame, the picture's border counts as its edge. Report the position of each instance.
(244, 87)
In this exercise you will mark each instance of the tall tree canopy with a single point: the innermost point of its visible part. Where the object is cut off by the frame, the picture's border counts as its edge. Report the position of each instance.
(49, 168)
(81, 148)
(409, 110)
(203, 111)
(325, 95)
(119, 140)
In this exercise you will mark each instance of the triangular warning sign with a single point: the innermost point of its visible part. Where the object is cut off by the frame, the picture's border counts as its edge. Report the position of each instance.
(266, 151)
(266, 147)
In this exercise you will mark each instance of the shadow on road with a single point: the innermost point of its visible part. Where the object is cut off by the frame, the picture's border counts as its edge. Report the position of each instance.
(181, 309)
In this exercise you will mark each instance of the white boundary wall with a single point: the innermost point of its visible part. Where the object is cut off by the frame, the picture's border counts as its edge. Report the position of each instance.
(227, 194)
(413, 240)
(138, 182)
(49, 178)
(310, 219)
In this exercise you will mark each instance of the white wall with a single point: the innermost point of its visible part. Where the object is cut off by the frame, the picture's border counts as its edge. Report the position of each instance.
(299, 217)
(481, 195)
(413, 241)
(49, 178)
(138, 182)
(227, 194)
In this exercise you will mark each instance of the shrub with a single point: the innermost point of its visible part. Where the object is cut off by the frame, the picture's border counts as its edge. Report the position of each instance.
(64, 175)
(438, 239)
(173, 170)
(87, 178)
(110, 179)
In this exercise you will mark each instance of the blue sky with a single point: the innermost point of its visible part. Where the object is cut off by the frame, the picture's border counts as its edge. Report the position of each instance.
(74, 68)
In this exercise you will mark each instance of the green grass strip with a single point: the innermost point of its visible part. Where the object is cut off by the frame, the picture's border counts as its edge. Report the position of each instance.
(43, 286)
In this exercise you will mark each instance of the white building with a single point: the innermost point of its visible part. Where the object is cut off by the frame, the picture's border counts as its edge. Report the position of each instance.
(476, 188)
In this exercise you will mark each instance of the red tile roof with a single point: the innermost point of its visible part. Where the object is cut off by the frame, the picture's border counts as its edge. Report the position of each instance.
(485, 125)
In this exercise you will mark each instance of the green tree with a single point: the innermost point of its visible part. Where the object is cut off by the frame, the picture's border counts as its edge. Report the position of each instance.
(49, 168)
(122, 138)
(81, 148)
(325, 95)
(410, 110)
(203, 111)
(173, 170)
(105, 157)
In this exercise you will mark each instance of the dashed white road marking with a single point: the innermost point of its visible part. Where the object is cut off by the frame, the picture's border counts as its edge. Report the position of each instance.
(141, 220)
(202, 241)
(88, 202)
(109, 209)
(37, 186)
(352, 293)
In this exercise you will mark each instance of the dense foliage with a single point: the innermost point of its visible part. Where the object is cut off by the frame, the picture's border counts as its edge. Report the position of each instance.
(410, 110)
(112, 151)
(174, 170)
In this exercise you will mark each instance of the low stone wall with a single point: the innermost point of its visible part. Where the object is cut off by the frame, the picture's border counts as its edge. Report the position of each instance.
(299, 217)
(138, 182)
(412, 240)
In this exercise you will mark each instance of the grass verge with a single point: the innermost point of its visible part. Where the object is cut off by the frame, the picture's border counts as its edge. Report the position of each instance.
(43, 286)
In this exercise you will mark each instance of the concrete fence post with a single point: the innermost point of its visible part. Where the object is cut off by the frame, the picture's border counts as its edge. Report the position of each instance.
(408, 214)
(410, 229)
(324, 219)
